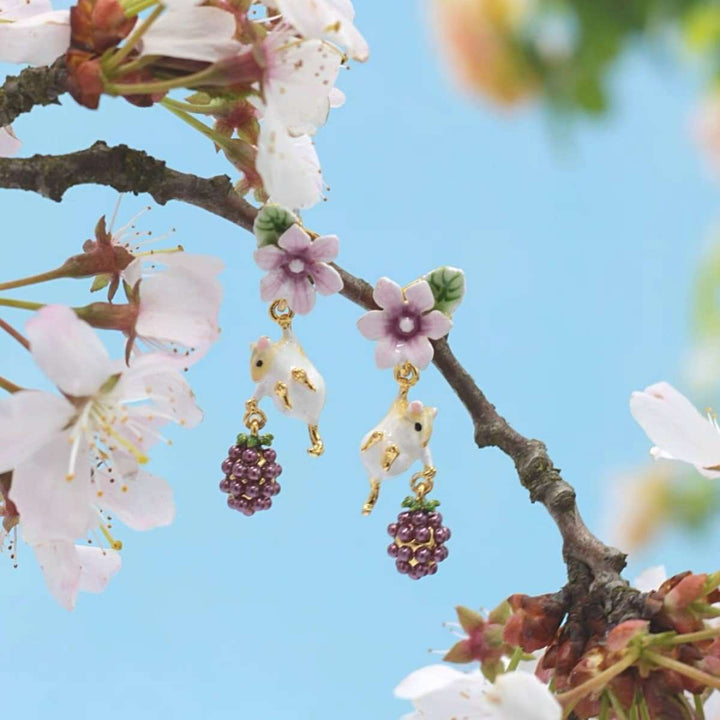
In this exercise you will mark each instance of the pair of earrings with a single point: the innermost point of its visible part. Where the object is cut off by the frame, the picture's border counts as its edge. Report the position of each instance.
(282, 371)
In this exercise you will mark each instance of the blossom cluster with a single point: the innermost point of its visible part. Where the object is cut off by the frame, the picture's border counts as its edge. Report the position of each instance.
(660, 667)
(72, 461)
(264, 72)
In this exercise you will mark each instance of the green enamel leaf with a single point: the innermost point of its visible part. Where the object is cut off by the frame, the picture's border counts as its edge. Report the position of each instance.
(271, 222)
(448, 287)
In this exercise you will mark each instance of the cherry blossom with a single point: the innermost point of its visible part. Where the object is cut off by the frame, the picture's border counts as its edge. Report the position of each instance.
(328, 19)
(32, 32)
(405, 324)
(677, 429)
(297, 268)
(9, 143)
(74, 455)
(439, 692)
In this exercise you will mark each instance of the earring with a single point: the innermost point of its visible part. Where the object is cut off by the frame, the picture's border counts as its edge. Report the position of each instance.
(282, 371)
(400, 439)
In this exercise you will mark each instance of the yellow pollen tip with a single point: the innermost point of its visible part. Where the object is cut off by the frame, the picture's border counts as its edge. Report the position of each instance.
(124, 488)
(114, 544)
(70, 477)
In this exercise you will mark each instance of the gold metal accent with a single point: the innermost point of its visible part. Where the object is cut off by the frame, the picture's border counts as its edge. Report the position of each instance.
(301, 376)
(281, 313)
(372, 497)
(390, 455)
(375, 437)
(421, 483)
(255, 418)
(281, 390)
(406, 375)
(318, 446)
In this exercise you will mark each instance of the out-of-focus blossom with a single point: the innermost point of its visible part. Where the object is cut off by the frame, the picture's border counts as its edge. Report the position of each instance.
(442, 693)
(479, 40)
(298, 267)
(74, 454)
(638, 506)
(405, 325)
(706, 130)
(9, 142)
(678, 430)
(32, 32)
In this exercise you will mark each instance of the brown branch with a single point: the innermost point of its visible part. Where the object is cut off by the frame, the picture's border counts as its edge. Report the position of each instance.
(33, 86)
(134, 171)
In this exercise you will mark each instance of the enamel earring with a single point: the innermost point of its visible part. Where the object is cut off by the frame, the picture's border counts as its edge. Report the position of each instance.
(396, 443)
(282, 371)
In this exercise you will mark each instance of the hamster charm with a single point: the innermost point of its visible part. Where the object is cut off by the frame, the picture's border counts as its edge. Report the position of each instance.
(283, 372)
(396, 443)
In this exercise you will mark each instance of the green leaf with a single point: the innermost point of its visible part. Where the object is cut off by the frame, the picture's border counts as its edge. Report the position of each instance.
(448, 287)
(241, 439)
(100, 281)
(266, 439)
(271, 222)
(253, 441)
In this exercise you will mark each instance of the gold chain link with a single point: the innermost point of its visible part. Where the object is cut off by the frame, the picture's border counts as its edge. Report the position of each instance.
(281, 313)
(421, 483)
(255, 418)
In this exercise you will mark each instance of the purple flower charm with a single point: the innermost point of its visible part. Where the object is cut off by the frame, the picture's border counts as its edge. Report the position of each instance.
(297, 268)
(404, 324)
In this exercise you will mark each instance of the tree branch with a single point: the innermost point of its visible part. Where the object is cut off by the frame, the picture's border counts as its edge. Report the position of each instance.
(33, 86)
(134, 171)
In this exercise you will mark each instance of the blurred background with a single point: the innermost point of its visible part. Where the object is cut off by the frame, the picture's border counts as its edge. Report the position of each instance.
(562, 155)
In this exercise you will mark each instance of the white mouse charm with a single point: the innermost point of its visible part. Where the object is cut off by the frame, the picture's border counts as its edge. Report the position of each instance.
(283, 372)
(400, 439)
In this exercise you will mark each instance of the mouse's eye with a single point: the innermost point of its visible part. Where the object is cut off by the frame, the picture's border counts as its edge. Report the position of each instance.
(259, 363)
(418, 426)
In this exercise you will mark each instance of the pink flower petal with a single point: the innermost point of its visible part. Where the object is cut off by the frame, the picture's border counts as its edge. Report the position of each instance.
(386, 353)
(60, 565)
(419, 296)
(9, 143)
(418, 351)
(302, 296)
(269, 257)
(68, 351)
(388, 294)
(324, 249)
(373, 324)
(97, 566)
(271, 285)
(327, 279)
(295, 240)
(436, 324)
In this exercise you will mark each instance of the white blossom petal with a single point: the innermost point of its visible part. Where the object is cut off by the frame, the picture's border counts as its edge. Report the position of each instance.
(673, 424)
(97, 566)
(9, 143)
(388, 294)
(141, 500)
(419, 296)
(425, 680)
(650, 579)
(17, 9)
(300, 78)
(289, 166)
(192, 33)
(38, 39)
(28, 420)
(68, 351)
(521, 696)
(51, 506)
(325, 19)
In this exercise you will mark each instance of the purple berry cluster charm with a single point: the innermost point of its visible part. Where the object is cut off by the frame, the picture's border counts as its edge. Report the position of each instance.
(251, 474)
(419, 538)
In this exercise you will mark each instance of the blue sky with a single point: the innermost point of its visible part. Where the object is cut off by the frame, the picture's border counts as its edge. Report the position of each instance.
(579, 250)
